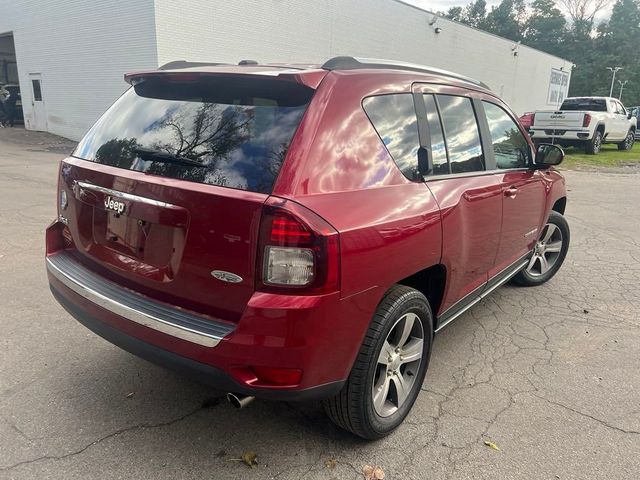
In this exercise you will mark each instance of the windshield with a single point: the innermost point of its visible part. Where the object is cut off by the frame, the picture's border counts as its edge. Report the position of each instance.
(228, 131)
(589, 104)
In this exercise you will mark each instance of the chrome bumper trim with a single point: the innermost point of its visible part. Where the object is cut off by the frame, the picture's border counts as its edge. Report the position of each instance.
(133, 306)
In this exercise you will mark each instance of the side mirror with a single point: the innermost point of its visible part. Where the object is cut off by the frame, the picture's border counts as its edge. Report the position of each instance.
(548, 155)
(629, 115)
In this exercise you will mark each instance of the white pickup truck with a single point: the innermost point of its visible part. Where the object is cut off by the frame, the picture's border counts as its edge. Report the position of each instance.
(586, 121)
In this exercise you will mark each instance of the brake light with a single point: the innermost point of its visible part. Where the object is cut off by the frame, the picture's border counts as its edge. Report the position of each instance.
(298, 252)
(587, 120)
(286, 229)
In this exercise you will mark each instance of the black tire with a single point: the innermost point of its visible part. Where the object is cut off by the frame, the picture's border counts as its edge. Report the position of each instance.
(593, 146)
(352, 409)
(529, 278)
(627, 144)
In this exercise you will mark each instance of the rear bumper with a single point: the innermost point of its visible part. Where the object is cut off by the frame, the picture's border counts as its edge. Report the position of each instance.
(134, 307)
(319, 336)
(198, 371)
(558, 134)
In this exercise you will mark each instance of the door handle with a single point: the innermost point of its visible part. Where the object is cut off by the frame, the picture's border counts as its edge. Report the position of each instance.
(511, 192)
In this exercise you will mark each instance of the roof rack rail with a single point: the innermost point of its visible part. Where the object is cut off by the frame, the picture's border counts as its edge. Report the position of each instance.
(176, 64)
(355, 63)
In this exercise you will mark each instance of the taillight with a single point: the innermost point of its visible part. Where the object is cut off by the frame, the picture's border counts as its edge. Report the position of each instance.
(298, 252)
(587, 120)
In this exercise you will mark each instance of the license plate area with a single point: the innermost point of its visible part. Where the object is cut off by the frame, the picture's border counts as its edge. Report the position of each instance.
(152, 243)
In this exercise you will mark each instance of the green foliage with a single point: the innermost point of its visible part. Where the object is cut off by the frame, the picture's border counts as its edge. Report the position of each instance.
(541, 25)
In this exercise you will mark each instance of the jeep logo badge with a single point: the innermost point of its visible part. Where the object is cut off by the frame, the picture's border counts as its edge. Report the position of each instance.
(226, 276)
(116, 206)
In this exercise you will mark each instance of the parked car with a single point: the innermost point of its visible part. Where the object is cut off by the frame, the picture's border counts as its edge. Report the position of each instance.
(586, 121)
(526, 120)
(294, 232)
(635, 112)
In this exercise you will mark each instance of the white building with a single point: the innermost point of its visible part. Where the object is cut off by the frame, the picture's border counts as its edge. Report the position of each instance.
(71, 56)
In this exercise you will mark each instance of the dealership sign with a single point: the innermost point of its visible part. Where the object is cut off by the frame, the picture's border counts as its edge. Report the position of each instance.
(558, 87)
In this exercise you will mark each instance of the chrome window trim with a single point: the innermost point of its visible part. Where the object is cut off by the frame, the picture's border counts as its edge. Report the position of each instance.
(475, 174)
(123, 195)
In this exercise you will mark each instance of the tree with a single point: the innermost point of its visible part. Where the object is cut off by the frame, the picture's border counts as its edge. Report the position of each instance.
(545, 28)
(475, 14)
(583, 12)
(617, 45)
(572, 36)
(454, 13)
(507, 19)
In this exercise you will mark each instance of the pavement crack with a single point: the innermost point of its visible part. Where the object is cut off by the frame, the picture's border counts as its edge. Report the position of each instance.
(586, 415)
(101, 439)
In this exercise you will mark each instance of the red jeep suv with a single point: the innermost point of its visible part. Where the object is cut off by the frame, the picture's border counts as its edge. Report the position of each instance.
(301, 232)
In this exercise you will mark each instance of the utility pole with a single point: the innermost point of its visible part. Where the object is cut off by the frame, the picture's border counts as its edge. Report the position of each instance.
(613, 79)
(622, 84)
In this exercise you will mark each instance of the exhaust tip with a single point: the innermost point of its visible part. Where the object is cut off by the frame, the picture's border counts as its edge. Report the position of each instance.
(239, 401)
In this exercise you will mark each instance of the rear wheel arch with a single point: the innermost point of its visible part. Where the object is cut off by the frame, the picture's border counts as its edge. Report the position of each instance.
(560, 205)
(431, 282)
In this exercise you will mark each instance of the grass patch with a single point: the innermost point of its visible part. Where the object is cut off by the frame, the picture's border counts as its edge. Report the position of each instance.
(609, 156)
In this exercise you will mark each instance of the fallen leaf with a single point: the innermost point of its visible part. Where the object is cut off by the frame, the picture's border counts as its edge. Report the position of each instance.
(491, 445)
(372, 473)
(250, 459)
(331, 463)
(367, 471)
(130, 394)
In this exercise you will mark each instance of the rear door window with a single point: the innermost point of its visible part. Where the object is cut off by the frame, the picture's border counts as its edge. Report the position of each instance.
(510, 148)
(394, 118)
(438, 145)
(228, 131)
(461, 134)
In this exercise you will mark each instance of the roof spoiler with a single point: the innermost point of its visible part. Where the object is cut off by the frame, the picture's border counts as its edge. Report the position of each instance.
(356, 63)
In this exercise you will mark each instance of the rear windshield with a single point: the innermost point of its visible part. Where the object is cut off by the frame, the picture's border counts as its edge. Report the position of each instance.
(232, 132)
(589, 104)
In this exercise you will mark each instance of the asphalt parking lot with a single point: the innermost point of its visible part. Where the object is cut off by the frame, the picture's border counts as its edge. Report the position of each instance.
(550, 375)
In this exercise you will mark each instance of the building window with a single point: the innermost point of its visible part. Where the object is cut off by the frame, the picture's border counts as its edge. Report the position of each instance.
(37, 92)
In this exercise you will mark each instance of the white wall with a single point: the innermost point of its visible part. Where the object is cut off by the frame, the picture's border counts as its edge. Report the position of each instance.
(284, 31)
(81, 48)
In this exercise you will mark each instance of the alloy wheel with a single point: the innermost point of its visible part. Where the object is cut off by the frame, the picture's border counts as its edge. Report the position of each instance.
(546, 252)
(398, 365)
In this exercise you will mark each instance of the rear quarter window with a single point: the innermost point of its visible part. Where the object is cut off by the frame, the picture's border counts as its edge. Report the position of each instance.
(394, 118)
(231, 132)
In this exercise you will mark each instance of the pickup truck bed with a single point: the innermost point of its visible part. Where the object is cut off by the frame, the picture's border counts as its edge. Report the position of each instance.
(585, 121)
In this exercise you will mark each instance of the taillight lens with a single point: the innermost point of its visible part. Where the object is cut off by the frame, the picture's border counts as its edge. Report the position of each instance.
(298, 251)
(587, 120)
(288, 266)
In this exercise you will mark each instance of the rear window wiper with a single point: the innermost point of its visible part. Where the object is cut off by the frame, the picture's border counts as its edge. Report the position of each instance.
(147, 153)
